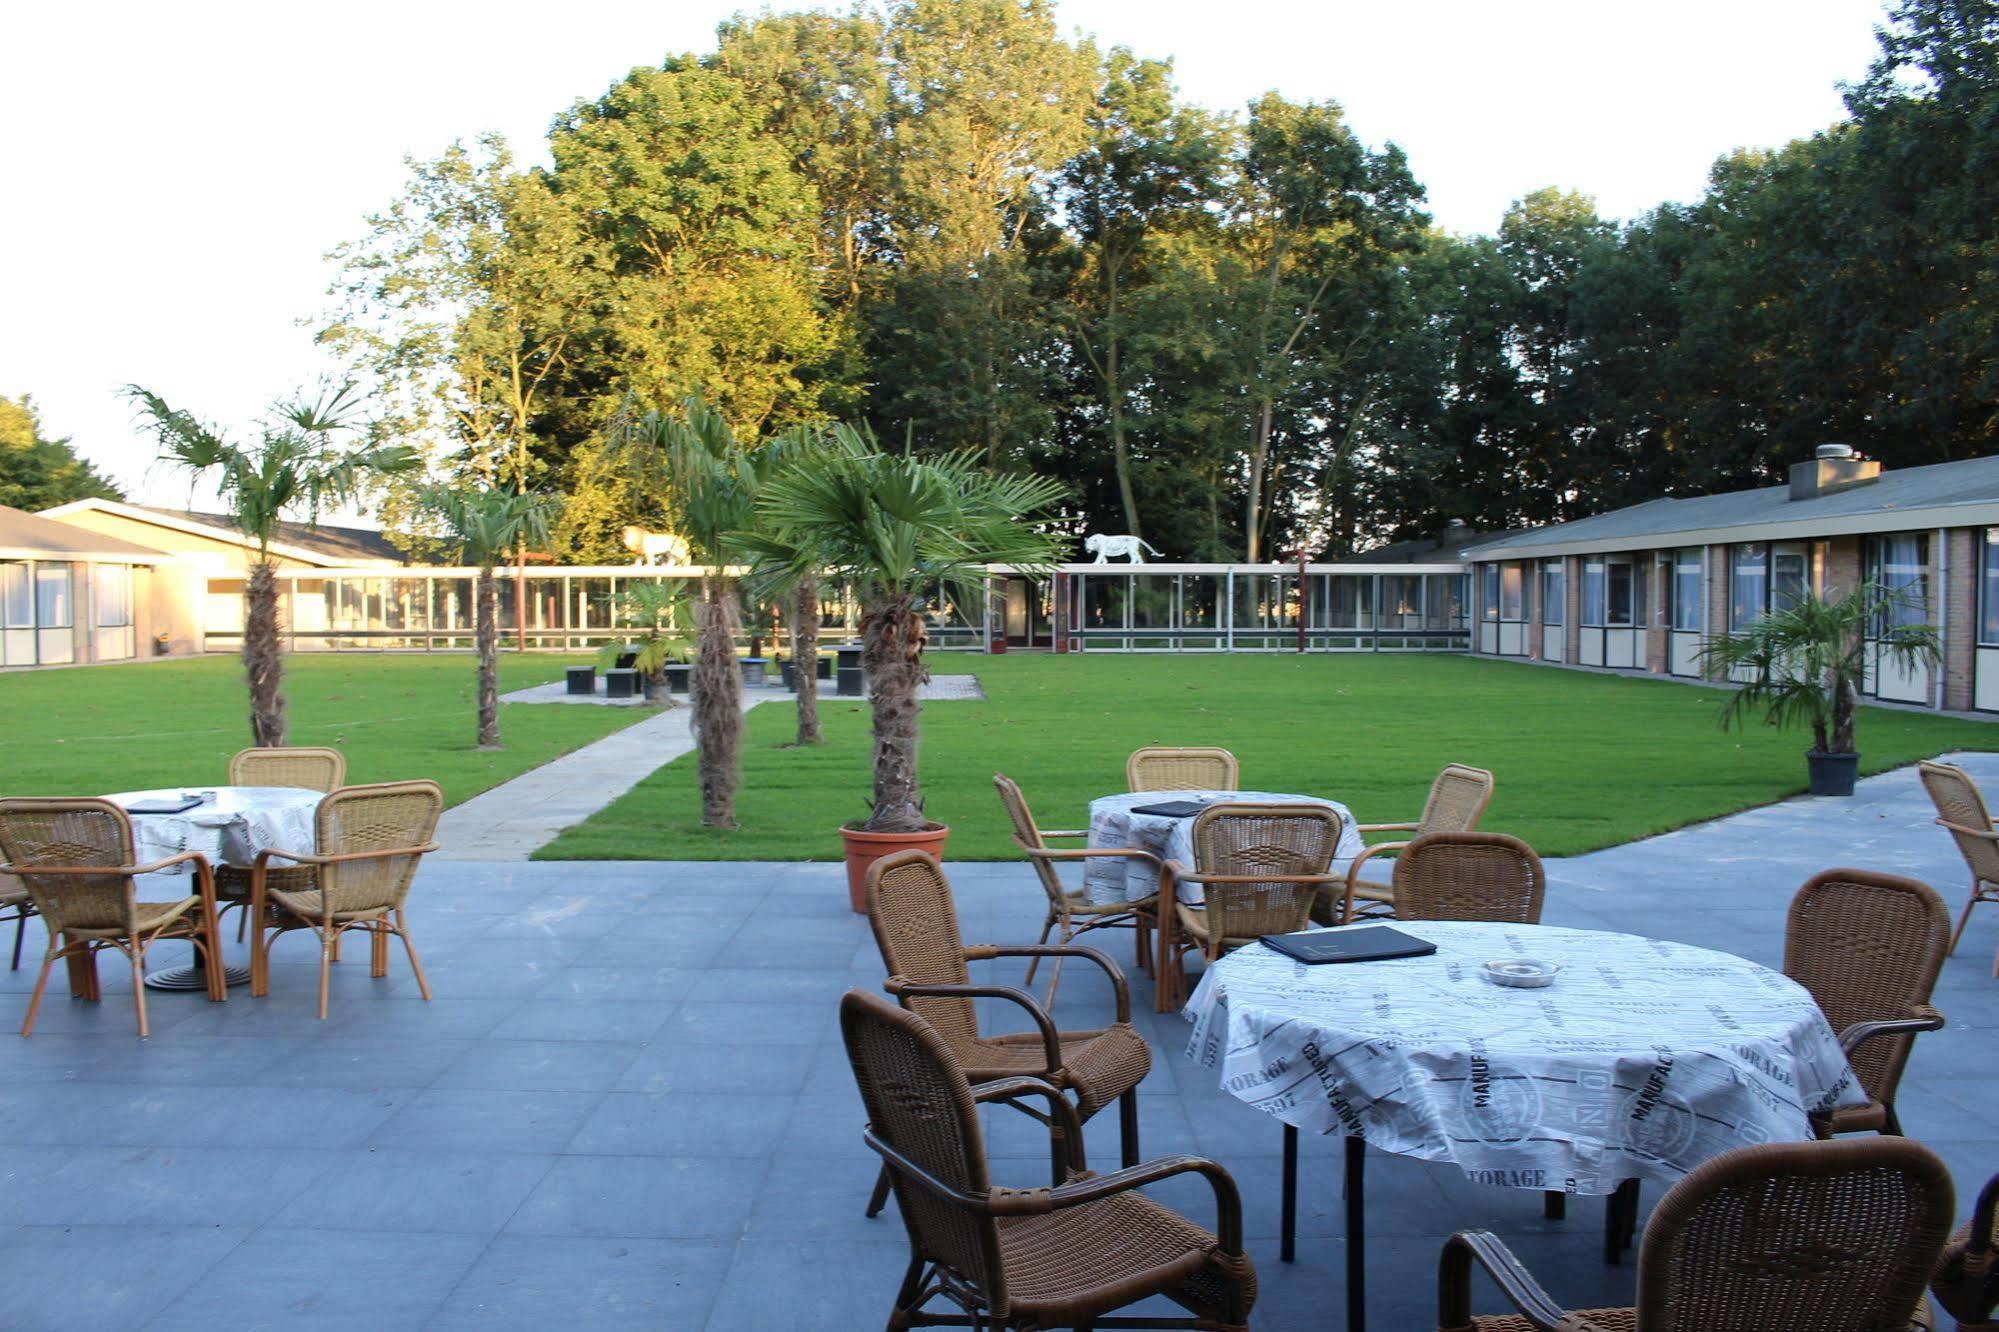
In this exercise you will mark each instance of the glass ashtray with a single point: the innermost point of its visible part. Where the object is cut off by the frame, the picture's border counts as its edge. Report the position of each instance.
(1521, 973)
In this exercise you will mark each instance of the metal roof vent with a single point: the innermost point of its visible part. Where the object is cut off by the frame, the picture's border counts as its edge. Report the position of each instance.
(1833, 468)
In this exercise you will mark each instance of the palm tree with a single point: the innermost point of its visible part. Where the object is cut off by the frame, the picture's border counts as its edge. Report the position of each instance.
(708, 483)
(659, 612)
(300, 463)
(895, 528)
(1805, 663)
(485, 526)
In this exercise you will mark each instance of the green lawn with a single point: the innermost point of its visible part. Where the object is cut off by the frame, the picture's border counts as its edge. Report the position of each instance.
(1583, 761)
(91, 729)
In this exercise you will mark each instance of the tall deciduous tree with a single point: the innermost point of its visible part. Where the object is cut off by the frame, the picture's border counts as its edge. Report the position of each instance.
(1150, 166)
(37, 472)
(707, 231)
(304, 459)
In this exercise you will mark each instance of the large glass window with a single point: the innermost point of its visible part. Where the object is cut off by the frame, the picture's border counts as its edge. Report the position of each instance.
(1790, 575)
(1104, 600)
(17, 606)
(114, 595)
(1686, 573)
(1748, 583)
(1488, 591)
(1988, 589)
(1512, 592)
(1552, 595)
(52, 596)
(1619, 596)
(1593, 593)
(1896, 564)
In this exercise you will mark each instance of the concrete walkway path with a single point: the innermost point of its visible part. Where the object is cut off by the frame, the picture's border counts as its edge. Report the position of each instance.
(514, 818)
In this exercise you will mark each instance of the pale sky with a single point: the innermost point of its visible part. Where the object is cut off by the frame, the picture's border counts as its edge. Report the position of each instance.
(176, 173)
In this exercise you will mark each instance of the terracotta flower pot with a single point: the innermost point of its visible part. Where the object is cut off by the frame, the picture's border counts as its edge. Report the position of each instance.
(865, 848)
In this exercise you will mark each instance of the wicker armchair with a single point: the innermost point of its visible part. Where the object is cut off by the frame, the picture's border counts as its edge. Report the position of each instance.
(76, 858)
(1966, 1282)
(1260, 867)
(1165, 768)
(313, 769)
(1796, 1237)
(1868, 947)
(370, 839)
(1457, 801)
(1061, 1256)
(1065, 908)
(1961, 810)
(1469, 876)
(915, 924)
(15, 897)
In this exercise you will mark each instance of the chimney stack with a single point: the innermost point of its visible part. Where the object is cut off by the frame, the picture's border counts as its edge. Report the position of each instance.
(1833, 468)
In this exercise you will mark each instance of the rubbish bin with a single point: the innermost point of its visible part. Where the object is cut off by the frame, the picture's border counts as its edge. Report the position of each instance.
(162, 645)
(851, 683)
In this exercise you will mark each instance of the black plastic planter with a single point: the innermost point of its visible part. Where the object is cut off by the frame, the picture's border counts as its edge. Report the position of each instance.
(1832, 774)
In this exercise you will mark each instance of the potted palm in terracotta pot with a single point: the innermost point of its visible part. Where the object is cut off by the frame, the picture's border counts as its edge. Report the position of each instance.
(899, 530)
(1805, 664)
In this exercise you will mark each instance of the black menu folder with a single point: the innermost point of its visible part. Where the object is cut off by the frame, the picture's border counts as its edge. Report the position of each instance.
(163, 805)
(1375, 943)
(1172, 809)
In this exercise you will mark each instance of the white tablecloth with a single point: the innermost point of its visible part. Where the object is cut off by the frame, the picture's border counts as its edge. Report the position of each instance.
(1113, 824)
(1642, 1060)
(230, 828)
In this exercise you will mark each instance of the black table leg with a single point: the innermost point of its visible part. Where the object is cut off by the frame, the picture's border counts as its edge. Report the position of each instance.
(1287, 1245)
(1356, 1167)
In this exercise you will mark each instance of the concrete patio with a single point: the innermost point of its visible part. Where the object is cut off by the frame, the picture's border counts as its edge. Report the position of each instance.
(628, 1105)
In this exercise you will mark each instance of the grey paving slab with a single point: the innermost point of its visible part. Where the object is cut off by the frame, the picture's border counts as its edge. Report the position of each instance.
(651, 1124)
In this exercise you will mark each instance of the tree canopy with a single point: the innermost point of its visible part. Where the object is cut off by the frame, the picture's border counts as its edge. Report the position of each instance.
(1237, 334)
(37, 472)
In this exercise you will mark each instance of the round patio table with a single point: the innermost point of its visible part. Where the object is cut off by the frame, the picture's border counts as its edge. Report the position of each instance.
(1114, 821)
(229, 826)
(1643, 1059)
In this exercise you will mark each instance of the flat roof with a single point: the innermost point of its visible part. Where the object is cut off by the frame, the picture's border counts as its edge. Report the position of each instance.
(1952, 494)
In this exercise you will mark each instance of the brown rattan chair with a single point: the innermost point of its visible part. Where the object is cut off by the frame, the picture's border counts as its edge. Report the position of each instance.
(1868, 947)
(1166, 768)
(15, 897)
(77, 859)
(1260, 868)
(915, 924)
(370, 839)
(1469, 876)
(1961, 809)
(303, 766)
(1061, 1256)
(1066, 909)
(1794, 1237)
(1966, 1283)
(1457, 801)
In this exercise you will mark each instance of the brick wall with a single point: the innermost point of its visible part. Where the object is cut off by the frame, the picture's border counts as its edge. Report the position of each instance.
(1657, 635)
(1841, 571)
(1714, 598)
(1530, 601)
(1960, 615)
(1572, 614)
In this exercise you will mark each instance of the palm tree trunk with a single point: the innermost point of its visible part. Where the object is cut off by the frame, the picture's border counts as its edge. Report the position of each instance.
(805, 657)
(486, 636)
(263, 657)
(892, 639)
(718, 701)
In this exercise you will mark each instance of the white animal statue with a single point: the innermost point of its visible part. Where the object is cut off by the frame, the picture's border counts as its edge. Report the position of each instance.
(1131, 547)
(656, 547)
